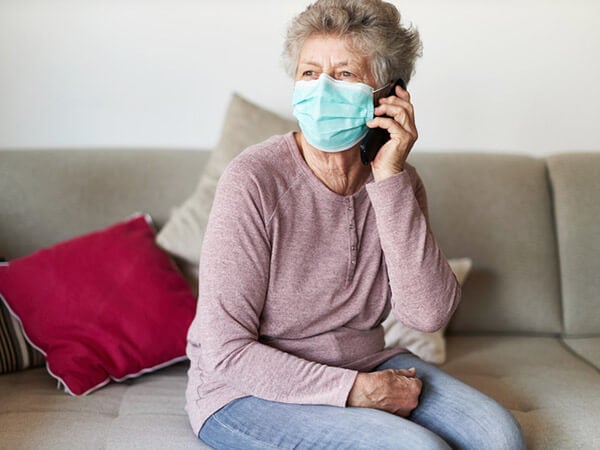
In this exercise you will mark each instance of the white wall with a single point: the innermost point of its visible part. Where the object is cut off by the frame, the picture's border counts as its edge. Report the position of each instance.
(514, 76)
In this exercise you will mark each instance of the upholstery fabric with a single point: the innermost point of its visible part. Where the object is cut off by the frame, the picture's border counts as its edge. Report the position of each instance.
(506, 229)
(148, 412)
(545, 386)
(245, 124)
(587, 348)
(64, 193)
(145, 414)
(576, 188)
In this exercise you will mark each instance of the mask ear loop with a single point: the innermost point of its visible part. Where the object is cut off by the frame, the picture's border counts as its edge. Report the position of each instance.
(377, 92)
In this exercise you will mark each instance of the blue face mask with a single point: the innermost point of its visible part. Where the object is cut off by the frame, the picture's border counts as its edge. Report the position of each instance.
(332, 113)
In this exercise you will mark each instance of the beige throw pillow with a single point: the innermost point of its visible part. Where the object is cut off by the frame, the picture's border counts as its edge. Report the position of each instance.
(245, 124)
(430, 347)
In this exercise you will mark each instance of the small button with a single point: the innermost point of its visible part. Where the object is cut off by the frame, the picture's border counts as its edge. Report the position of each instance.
(351, 226)
(349, 208)
(353, 261)
(353, 248)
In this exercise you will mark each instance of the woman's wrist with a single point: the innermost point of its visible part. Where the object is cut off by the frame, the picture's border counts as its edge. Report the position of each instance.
(383, 169)
(357, 396)
(383, 174)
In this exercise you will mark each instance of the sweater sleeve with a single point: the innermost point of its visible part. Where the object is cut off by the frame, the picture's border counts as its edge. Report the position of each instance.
(234, 276)
(425, 291)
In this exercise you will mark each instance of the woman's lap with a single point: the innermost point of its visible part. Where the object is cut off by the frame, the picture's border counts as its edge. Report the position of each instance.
(458, 413)
(450, 414)
(252, 423)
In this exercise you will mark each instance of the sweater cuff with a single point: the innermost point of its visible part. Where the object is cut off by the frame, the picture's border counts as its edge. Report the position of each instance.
(346, 383)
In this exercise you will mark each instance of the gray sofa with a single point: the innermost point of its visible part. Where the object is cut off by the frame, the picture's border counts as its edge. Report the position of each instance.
(527, 332)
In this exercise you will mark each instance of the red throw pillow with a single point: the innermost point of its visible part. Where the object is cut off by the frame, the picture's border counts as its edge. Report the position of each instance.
(106, 305)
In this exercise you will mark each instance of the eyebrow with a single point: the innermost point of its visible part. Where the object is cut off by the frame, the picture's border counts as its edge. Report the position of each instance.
(312, 63)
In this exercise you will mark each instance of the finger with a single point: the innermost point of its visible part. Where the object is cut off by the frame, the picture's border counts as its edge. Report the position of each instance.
(409, 373)
(399, 113)
(402, 99)
(399, 94)
(395, 107)
(396, 101)
(403, 412)
(395, 129)
(402, 93)
(387, 123)
(405, 122)
(419, 383)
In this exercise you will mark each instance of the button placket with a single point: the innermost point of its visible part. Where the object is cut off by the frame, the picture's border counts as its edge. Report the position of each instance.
(352, 236)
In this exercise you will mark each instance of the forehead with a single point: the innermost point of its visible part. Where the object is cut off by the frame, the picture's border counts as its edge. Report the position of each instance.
(326, 50)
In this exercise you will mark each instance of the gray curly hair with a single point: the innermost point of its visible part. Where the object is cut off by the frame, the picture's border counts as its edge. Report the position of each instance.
(372, 27)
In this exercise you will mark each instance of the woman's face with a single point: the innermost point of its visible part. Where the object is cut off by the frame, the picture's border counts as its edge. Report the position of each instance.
(333, 56)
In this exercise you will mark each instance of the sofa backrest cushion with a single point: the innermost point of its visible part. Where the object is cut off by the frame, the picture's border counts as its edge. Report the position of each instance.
(496, 209)
(576, 191)
(48, 196)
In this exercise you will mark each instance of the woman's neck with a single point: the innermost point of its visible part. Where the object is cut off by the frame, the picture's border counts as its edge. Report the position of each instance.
(342, 172)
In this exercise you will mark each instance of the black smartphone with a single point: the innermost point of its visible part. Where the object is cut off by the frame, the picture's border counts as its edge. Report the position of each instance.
(376, 137)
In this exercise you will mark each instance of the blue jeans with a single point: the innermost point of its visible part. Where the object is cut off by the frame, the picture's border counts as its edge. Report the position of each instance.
(450, 415)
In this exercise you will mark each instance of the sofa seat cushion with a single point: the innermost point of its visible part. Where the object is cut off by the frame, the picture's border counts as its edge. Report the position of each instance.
(552, 392)
(35, 414)
(152, 414)
(143, 413)
(587, 348)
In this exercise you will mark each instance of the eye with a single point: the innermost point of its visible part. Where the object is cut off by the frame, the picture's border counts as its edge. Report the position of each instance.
(309, 75)
(345, 75)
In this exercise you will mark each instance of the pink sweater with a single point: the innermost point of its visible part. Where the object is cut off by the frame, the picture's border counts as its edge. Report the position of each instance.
(295, 281)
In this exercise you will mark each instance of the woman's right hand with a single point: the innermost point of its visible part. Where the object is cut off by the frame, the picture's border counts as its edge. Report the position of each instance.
(394, 390)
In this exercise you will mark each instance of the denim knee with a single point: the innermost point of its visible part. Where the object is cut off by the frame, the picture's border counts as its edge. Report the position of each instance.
(381, 430)
(500, 430)
(511, 433)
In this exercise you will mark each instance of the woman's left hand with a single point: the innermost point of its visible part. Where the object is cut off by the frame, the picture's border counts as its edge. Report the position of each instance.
(400, 124)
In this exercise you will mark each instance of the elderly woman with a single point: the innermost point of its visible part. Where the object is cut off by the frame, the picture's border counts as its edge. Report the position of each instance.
(306, 252)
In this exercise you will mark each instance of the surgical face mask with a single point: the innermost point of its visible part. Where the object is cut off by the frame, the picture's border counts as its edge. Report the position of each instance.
(332, 113)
